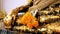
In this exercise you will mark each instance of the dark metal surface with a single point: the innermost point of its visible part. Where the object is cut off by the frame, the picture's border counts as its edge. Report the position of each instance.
(7, 32)
(13, 32)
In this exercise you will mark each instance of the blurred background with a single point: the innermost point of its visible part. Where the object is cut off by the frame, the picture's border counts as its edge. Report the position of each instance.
(8, 5)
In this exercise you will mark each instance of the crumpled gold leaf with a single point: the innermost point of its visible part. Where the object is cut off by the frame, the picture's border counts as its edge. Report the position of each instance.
(2, 14)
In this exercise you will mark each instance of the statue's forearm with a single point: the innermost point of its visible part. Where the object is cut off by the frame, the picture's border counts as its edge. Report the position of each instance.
(16, 10)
